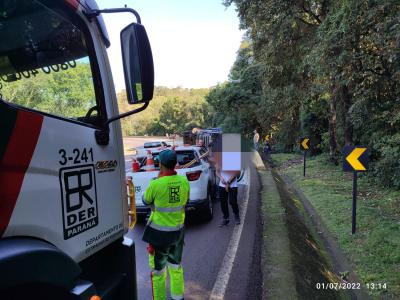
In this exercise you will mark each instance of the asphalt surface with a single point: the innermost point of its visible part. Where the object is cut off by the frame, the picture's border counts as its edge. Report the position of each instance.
(205, 245)
(205, 248)
(246, 281)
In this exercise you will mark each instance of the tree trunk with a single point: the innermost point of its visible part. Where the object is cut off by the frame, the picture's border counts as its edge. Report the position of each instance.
(347, 125)
(295, 128)
(332, 130)
(344, 128)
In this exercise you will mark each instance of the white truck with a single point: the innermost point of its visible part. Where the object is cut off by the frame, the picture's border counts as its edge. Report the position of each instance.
(63, 199)
(201, 178)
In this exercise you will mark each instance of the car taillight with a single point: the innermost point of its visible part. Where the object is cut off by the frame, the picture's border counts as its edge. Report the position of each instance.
(192, 176)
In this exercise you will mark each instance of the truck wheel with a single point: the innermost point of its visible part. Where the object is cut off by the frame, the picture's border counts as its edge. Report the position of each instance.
(208, 213)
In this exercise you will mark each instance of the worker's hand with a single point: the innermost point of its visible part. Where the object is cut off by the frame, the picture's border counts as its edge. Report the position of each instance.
(223, 181)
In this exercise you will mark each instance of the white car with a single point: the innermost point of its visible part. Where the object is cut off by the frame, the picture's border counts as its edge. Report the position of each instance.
(142, 150)
(200, 175)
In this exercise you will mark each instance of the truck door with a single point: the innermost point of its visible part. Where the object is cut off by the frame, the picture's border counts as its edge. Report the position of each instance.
(56, 182)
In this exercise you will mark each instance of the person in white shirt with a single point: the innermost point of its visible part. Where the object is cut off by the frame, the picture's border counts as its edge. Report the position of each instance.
(256, 139)
(228, 190)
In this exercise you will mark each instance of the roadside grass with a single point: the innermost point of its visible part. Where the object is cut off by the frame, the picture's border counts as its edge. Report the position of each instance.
(374, 251)
(278, 279)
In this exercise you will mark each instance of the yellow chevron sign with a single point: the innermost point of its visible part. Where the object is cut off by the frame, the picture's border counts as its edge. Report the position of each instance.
(355, 159)
(304, 143)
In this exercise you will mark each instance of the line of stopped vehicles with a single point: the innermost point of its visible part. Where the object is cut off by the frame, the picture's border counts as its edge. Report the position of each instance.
(192, 161)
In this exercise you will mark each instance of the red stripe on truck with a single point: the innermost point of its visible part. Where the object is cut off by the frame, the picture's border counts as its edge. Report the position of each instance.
(73, 3)
(15, 162)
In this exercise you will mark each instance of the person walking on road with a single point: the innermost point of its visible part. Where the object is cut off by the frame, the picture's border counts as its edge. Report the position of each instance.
(228, 190)
(164, 231)
(256, 139)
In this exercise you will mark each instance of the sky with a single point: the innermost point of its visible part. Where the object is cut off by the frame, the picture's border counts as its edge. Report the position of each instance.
(194, 42)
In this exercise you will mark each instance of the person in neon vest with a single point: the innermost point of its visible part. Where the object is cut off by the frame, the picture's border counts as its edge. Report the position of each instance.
(167, 195)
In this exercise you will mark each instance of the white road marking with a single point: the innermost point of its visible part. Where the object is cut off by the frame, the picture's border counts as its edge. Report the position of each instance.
(219, 289)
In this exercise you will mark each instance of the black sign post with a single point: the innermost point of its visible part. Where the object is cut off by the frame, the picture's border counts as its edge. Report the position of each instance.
(305, 146)
(354, 210)
(355, 159)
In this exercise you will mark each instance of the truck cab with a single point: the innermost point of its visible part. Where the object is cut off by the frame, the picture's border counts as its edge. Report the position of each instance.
(63, 206)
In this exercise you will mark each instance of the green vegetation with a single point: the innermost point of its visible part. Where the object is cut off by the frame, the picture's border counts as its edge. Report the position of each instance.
(327, 69)
(278, 279)
(172, 110)
(70, 93)
(374, 249)
(67, 93)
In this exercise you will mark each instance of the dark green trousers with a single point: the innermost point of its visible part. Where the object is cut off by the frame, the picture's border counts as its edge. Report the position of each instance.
(162, 258)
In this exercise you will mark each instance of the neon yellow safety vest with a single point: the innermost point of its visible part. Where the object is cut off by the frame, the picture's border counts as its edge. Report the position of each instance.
(168, 195)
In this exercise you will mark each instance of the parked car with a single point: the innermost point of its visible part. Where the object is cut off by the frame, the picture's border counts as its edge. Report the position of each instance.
(142, 150)
(201, 178)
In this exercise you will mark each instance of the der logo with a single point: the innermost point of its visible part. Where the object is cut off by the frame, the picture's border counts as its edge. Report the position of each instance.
(79, 199)
(174, 194)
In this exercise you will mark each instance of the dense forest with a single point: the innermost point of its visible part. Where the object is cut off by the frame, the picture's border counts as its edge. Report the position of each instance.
(329, 70)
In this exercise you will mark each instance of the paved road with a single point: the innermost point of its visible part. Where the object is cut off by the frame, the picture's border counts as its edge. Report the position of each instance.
(205, 248)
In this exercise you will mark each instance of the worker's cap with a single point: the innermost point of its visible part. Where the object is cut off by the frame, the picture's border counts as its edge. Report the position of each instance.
(167, 158)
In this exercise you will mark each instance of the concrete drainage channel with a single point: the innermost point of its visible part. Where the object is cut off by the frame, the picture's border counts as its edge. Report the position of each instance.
(295, 257)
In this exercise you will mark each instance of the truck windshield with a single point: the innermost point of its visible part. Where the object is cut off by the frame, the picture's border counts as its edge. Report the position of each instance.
(44, 60)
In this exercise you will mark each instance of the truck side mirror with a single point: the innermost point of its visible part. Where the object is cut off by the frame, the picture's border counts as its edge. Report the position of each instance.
(138, 64)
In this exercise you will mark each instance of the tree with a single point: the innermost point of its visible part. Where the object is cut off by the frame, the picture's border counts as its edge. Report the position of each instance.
(235, 101)
(171, 111)
(327, 69)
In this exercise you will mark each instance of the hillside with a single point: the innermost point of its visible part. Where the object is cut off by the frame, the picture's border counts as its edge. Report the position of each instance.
(172, 110)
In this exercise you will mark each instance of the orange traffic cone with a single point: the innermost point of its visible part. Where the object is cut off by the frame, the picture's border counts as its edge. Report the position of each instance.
(150, 162)
(135, 165)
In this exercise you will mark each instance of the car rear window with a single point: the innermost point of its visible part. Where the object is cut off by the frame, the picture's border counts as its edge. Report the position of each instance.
(183, 157)
(152, 144)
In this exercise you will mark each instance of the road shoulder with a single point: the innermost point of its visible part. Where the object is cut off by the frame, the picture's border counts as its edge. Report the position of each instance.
(338, 259)
(245, 281)
(278, 277)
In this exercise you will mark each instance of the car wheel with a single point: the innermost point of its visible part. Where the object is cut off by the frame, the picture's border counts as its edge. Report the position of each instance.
(208, 214)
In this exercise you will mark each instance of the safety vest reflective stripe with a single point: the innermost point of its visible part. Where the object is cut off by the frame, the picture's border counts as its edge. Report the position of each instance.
(166, 228)
(173, 266)
(158, 272)
(169, 209)
(177, 297)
